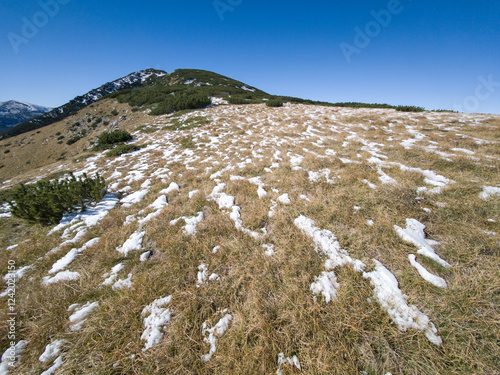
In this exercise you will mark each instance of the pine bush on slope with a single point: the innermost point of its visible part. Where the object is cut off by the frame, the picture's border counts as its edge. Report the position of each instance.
(47, 201)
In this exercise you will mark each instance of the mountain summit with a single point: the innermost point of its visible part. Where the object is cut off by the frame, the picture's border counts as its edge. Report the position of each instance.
(13, 112)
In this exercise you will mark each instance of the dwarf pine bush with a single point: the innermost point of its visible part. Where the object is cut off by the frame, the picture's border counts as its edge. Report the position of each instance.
(47, 201)
(237, 100)
(180, 102)
(117, 136)
(107, 140)
(274, 103)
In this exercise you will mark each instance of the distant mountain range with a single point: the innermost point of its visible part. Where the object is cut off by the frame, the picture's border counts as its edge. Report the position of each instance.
(14, 112)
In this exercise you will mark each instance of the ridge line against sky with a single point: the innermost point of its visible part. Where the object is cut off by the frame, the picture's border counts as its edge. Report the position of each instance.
(439, 55)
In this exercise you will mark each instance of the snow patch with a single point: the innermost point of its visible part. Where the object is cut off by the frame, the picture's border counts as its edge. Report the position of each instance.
(414, 234)
(13, 354)
(51, 351)
(52, 369)
(326, 242)
(61, 276)
(156, 318)
(159, 203)
(133, 198)
(191, 223)
(489, 191)
(393, 301)
(172, 187)
(285, 199)
(269, 249)
(123, 283)
(217, 331)
(133, 243)
(110, 278)
(71, 256)
(290, 361)
(145, 256)
(326, 284)
(426, 275)
(80, 314)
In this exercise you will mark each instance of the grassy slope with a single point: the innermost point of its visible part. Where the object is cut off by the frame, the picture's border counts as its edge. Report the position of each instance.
(269, 297)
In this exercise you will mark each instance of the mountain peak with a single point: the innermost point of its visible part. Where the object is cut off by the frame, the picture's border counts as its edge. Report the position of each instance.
(14, 112)
(185, 78)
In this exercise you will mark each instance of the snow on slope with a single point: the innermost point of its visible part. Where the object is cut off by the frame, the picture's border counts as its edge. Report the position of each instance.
(220, 156)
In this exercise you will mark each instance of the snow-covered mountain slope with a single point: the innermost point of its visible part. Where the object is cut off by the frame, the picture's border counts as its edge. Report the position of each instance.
(14, 112)
(256, 240)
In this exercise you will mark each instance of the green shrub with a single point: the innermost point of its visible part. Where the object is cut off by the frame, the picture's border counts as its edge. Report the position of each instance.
(106, 140)
(74, 139)
(237, 100)
(409, 108)
(6, 195)
(47, 201)
(73, 127)
(274, 103)
(114, 112)
(96, 122)
(123, 149)
(6, 151)
(135, 109)
(180, 102)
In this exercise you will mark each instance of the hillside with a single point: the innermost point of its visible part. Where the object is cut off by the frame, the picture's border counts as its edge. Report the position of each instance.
(13, 112)
(164, 93)
(244, 239)
(146, 87)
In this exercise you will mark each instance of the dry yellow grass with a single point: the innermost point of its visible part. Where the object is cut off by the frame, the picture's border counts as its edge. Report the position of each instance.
(269, 297)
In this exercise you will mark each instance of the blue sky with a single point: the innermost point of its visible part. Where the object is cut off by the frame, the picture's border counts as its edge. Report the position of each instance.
(442, 54)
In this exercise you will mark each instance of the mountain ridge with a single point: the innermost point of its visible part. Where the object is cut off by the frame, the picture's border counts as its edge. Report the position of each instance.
(164, 93)
(14, 112)
(186, 79)
(132, 80)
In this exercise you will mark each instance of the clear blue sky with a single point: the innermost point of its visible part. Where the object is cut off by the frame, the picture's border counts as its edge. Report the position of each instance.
(435, 54)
